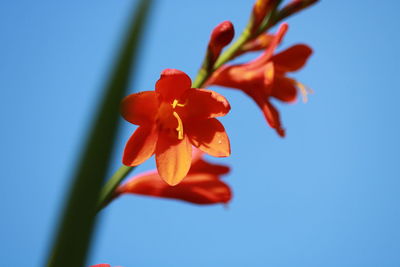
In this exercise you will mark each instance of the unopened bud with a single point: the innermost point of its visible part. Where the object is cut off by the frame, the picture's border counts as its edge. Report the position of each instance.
(221, 36)
(260, 10)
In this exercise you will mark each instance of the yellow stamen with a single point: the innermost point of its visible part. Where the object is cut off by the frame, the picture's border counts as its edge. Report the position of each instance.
(180, 124)
(304, 90)
(176, 103)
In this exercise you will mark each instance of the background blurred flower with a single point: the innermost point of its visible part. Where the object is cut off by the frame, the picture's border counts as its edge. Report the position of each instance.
(265, 77)
(202, 185)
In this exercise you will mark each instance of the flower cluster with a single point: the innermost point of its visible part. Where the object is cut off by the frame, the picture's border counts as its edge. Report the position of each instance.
(266, 77)
(178, 120)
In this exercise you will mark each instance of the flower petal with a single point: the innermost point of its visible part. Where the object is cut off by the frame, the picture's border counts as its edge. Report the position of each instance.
(198, 188)
(234, 76)
(197, 155)
(173, 158)
(202, 166)
(273, 118)
(140, 108)
(201, 189)
(293, 58)
(140, 146)
(269, 76)
(147, 183)
(266, 56)
(203, 103)
(284, 89)
(209, 136)
(172, 84)
(269, 111)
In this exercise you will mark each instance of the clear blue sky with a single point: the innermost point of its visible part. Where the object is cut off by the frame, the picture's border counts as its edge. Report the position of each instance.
(327, 195)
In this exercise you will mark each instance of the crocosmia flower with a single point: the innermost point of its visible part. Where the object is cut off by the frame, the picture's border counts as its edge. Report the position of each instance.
(171, 119)
(202, 185)
(265, 77)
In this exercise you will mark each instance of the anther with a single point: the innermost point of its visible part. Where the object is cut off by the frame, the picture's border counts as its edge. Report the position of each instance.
(176, 103)
(304, 90)
(179, 129)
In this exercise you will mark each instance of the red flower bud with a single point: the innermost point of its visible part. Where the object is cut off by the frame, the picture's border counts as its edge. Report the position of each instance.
(260, 10)
(221, 36)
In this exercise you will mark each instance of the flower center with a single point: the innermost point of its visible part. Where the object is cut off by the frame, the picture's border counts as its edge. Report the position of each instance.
(166, 121)
(179, 129)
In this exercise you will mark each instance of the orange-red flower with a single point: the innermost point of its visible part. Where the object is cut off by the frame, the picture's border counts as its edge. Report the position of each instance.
(202, 184)
(265, 77)
(171, 119)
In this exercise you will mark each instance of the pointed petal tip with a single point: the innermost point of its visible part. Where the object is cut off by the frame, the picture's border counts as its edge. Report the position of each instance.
(173, 158)
(140, 146)
(209, 135)
(174, 181)
(281, 132)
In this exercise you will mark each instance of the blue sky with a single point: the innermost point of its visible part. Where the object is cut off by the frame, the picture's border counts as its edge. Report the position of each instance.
(326, 195)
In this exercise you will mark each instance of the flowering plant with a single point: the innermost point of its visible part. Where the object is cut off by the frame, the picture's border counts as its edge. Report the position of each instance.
(177, 121)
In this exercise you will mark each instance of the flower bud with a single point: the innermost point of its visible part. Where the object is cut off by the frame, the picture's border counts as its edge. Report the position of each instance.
(221, 36)
(260, 10)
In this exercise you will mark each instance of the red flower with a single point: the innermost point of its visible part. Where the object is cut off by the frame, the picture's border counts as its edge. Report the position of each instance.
(265, 77)
(202, 184)
(171, 119)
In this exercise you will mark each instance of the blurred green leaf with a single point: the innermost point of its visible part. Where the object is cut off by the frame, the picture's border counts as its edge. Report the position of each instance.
(72, 241)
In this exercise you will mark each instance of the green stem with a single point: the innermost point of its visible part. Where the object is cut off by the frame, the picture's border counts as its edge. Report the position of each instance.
(106, 194)
(201, 77)
(231, 51)
(77, 223)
